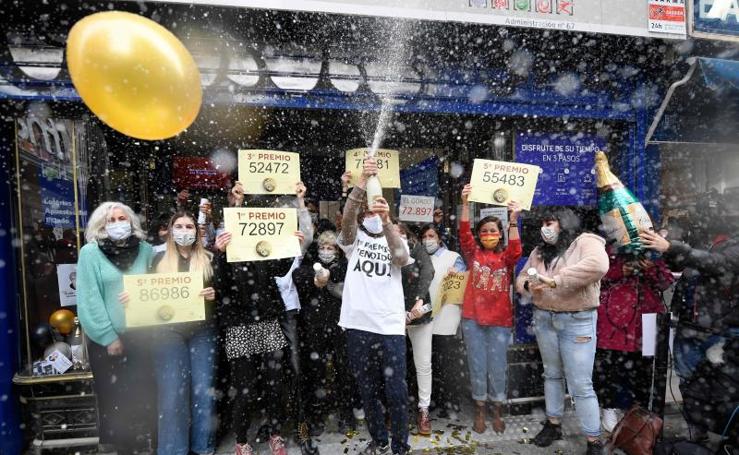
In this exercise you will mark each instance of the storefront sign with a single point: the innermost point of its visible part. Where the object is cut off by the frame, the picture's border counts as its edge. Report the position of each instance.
(387, 165)
(715, 18)
(269, 171)
(421, 178)
(622, 17)
(567, 164)
(66, 276)
(164, 298)
(196, 172)
(451, 291)
(500, 182)
(261, 234)
(57, 201)
(667, 16)
(416, 209)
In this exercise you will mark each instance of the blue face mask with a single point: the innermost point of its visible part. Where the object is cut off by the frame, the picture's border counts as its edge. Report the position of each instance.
(120, 230)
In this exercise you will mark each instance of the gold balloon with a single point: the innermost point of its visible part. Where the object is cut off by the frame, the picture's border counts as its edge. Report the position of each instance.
(134, 74)
(62, 321)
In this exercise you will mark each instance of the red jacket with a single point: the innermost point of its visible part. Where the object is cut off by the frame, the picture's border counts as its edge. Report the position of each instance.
(623, 299)
(487, 299)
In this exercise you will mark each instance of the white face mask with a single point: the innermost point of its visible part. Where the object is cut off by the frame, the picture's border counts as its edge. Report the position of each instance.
(431, 245)
(373, 224)
(326, 255)
(183, 237)
(549, 235)
(120, 230)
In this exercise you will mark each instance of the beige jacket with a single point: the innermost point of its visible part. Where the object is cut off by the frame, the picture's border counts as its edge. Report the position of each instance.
(577, 274)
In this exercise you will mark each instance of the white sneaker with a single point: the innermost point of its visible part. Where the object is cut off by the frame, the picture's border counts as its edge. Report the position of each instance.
(609, 419)
(359, 413)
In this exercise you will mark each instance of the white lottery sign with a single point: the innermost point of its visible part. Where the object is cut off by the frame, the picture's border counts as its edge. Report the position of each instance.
(416, 209)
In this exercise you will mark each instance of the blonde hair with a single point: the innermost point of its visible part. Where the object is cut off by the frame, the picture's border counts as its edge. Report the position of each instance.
(327, 237)
(95, 230)
(200, 258)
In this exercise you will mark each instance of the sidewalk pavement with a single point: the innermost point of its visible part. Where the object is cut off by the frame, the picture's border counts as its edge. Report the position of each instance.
(455, 436)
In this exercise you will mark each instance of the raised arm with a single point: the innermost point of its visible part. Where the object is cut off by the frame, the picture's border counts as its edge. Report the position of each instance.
(305, 224)
(354, 202)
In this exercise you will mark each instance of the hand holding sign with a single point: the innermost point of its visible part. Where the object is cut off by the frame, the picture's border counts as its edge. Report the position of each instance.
(269, 171)
(259, 234)
(499, 182)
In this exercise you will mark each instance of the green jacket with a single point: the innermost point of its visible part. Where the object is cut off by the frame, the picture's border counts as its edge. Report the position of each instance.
(98, 284)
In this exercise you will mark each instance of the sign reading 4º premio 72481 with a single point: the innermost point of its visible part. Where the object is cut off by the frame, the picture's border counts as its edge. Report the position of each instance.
(500, 182)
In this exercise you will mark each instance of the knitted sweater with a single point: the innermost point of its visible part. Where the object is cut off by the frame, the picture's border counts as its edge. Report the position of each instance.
(98, 284)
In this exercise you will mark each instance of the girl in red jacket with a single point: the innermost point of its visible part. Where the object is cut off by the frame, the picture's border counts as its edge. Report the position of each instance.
(487, 312)
(632, 287)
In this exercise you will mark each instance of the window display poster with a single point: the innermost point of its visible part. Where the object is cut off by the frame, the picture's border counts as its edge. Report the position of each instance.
(57, 201)
(422, 178)
(567, 162)
(66, 275)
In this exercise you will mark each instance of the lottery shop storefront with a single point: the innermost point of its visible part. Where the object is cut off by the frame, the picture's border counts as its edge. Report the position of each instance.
(286, 91)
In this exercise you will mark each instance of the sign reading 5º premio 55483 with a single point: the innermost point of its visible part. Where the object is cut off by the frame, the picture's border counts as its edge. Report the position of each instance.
(269, 171)
(164, 298)
(500, 182)
(261, 234)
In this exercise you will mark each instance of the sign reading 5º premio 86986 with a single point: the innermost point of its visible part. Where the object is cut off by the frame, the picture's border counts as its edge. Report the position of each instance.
(164, 298)
(500, 182)
(261, 234)
(269, 171)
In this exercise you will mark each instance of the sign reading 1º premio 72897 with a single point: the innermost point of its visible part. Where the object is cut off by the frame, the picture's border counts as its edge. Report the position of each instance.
(261, 234)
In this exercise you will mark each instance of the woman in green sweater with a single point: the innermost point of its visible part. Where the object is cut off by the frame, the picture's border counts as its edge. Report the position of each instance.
(114, 247)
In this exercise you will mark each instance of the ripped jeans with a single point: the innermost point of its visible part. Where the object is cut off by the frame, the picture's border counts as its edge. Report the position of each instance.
(567, 346)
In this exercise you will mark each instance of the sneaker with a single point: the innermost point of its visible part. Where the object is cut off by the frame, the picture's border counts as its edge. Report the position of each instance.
(548, 434)
(594, 448)
(277, 445)
(609, 419)
(423, 423)
(372, 448)
(243, 449)
(358, 413)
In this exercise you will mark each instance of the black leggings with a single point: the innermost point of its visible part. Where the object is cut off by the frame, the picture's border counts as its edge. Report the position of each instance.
(250, 376)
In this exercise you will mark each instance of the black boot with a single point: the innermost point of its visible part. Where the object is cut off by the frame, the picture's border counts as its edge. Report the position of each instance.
(550, 433)
(594, 448)
(306, 443)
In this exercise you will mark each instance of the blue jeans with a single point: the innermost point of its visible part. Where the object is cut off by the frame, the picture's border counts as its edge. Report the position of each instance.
(567, 346)
(185, 359)
(487, 356)
(376, 359)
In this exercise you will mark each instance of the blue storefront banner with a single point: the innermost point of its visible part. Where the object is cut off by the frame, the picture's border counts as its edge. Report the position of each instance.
(421, 179)
(720, 17)
(57, 201)
(566, 161)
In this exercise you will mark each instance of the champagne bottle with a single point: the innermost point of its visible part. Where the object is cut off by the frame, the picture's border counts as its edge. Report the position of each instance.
(622, 215)
(374, 189)
(79, 362)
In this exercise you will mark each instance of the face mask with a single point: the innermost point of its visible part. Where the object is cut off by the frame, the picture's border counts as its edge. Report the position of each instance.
(549, 235)
(120, 230)
(183, 237)
(431, 245)
(327, 255)
(490, 241)
(373, 224)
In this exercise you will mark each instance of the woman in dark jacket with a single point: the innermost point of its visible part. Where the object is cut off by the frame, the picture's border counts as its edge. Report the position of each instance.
(249, 320)
(322, 339)
(417, 279)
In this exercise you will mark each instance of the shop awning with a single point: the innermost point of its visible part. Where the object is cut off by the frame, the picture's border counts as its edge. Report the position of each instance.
(702, 107)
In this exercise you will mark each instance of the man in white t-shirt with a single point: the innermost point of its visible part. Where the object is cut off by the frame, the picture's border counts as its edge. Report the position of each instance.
(373, 313)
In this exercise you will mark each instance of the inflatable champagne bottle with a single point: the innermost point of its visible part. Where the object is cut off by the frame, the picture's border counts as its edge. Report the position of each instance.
(622, 215)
